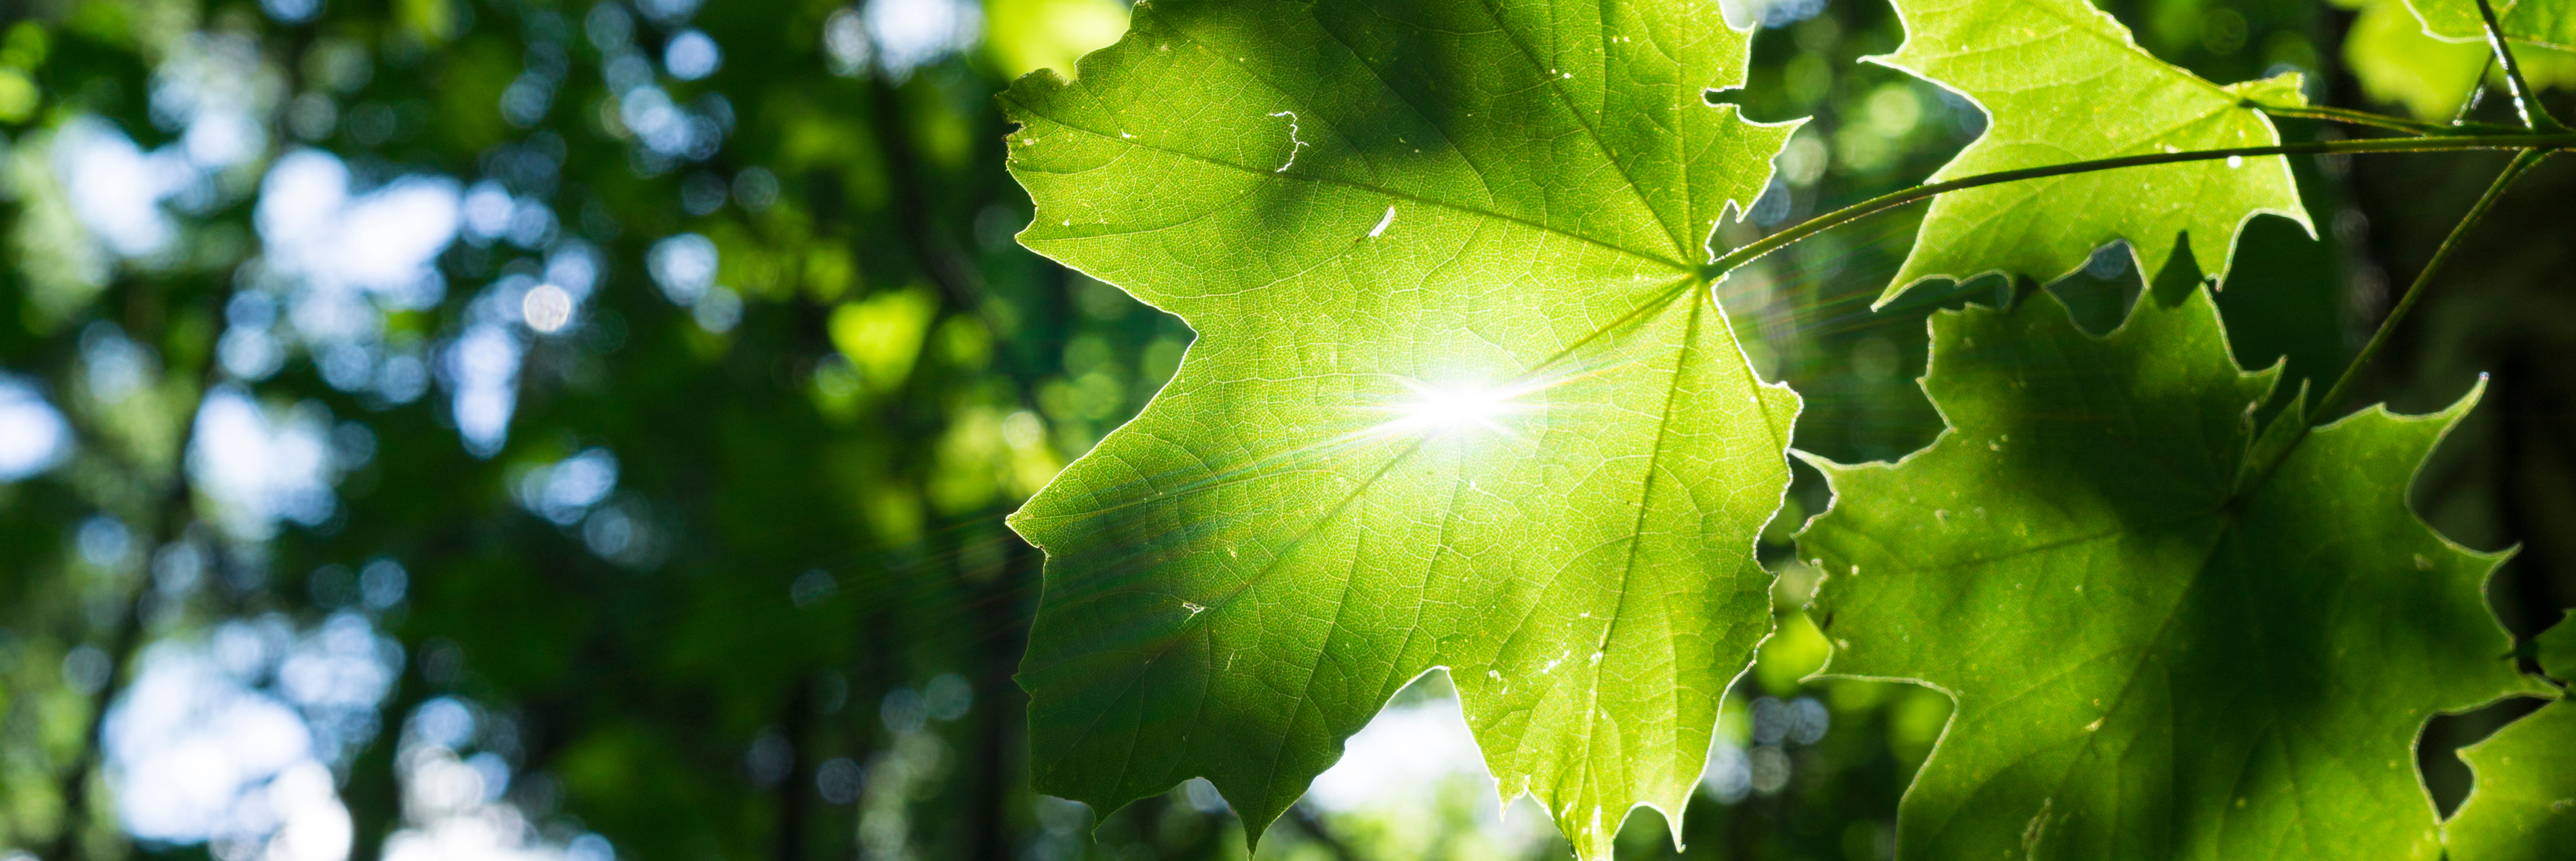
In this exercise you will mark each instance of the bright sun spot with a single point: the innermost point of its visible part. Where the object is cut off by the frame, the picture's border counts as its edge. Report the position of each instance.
(1449, 409)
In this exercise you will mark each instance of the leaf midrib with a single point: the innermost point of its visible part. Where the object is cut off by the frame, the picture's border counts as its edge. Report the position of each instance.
(1556, 86)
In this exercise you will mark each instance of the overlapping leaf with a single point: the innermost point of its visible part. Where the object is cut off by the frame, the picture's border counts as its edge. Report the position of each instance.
(1460, 396)
(2158, 652)
(2063, 82)
(2523, 807)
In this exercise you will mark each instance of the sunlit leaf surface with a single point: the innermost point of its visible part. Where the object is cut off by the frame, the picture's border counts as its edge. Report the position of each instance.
(2157, 652)
(1460, 397)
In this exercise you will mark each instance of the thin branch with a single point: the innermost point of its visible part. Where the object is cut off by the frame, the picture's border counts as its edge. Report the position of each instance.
(2366, 118)
(2415, 291)
(2525, 99)
(1819, 224)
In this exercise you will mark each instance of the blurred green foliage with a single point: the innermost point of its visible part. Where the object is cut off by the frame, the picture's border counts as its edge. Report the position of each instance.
(784, 626)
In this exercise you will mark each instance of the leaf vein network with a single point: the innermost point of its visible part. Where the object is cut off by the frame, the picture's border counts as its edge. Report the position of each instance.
(1164, 649)
(1565, 100)
(1302, 176)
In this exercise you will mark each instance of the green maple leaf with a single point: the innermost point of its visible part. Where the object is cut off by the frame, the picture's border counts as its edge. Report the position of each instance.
(2157, 651)
(2062, 82)
(2523, 807)
(2538, 22)
(1461, 397)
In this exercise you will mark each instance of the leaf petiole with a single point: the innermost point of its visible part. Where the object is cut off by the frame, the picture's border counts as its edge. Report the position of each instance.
(2525, 99)
(2366, 118)
(1749, 252)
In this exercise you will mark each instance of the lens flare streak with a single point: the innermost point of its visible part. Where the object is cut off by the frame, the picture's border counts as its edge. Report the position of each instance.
(1436, 410)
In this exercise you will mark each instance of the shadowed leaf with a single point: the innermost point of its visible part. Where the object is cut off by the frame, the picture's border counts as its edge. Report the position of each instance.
(2157, 651)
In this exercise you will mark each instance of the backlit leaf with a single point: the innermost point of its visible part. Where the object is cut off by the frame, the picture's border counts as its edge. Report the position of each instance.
(1460, 398)
(2062, 82)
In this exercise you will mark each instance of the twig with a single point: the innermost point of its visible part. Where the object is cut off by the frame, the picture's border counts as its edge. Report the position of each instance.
(2477, 87)
(2525, 99)
(2415, 292)
(2366, 118)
